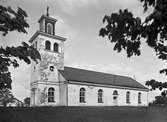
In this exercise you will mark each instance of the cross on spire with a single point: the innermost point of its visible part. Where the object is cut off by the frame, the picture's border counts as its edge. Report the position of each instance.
(47, 14)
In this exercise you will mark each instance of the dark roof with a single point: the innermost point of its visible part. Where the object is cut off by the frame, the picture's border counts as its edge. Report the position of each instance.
(87, 76)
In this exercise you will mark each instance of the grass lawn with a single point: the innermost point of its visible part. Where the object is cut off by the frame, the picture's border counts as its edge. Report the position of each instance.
(84, 114)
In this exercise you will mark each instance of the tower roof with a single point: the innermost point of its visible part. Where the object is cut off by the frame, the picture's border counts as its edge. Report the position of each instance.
(47, 17)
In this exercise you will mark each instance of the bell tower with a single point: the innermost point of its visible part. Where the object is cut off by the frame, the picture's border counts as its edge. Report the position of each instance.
(47, 24)
(44, 74)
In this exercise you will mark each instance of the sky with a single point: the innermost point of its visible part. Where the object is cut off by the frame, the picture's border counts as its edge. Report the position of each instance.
(80, 21)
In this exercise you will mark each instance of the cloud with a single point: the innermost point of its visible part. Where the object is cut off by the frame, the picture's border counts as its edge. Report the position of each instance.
(63, 28)
(125, 3)
(111, 68)
(71, 6)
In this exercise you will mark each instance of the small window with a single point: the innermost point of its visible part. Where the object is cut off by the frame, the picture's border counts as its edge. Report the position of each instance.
(36, 44)
(82, 95)
(49, 28)
(128, 97)
(52, 68)
(139, 98)
(51, 94)
(56, 47)
(47, 45)
(100, 96)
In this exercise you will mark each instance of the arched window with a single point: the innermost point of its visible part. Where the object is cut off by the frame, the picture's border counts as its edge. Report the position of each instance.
(82, 95)
(56, 47)
(51, 94)
(139, 98)
(115, 93)
(47, 45)
(49, 28)
(128, 97)
(100, 96)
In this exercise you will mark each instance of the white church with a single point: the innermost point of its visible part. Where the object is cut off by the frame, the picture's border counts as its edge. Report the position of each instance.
(53, 84)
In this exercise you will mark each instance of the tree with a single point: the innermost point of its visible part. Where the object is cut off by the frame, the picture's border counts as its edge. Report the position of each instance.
(27, 101)
(6, 97)
(160, 100)
(11, 20)
(127, 32)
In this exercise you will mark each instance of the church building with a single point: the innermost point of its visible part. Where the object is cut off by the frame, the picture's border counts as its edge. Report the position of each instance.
(53, 84)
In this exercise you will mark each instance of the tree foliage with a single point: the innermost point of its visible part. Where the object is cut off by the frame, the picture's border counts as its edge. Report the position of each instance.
(6, 97)
(11, 20)
(127, 32)
(156, 84)
(160, 100)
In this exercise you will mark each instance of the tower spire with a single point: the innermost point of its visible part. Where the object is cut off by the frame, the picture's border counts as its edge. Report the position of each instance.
(47, 13)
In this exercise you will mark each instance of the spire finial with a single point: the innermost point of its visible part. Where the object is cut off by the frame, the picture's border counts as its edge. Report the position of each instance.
(47, 14)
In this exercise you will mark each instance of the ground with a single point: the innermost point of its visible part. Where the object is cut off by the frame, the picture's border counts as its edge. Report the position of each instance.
(84, 114)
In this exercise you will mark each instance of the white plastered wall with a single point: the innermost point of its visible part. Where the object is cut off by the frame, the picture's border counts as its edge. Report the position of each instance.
(91, 96)
(63, 91)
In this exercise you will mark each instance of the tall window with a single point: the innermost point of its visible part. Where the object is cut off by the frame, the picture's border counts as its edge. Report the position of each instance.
(139, 98)
(56, 47)
(49, 28)
(100, 96)
(82, 95)
(115, 97)
(51, 94)
(128, 97)
(47, 45)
